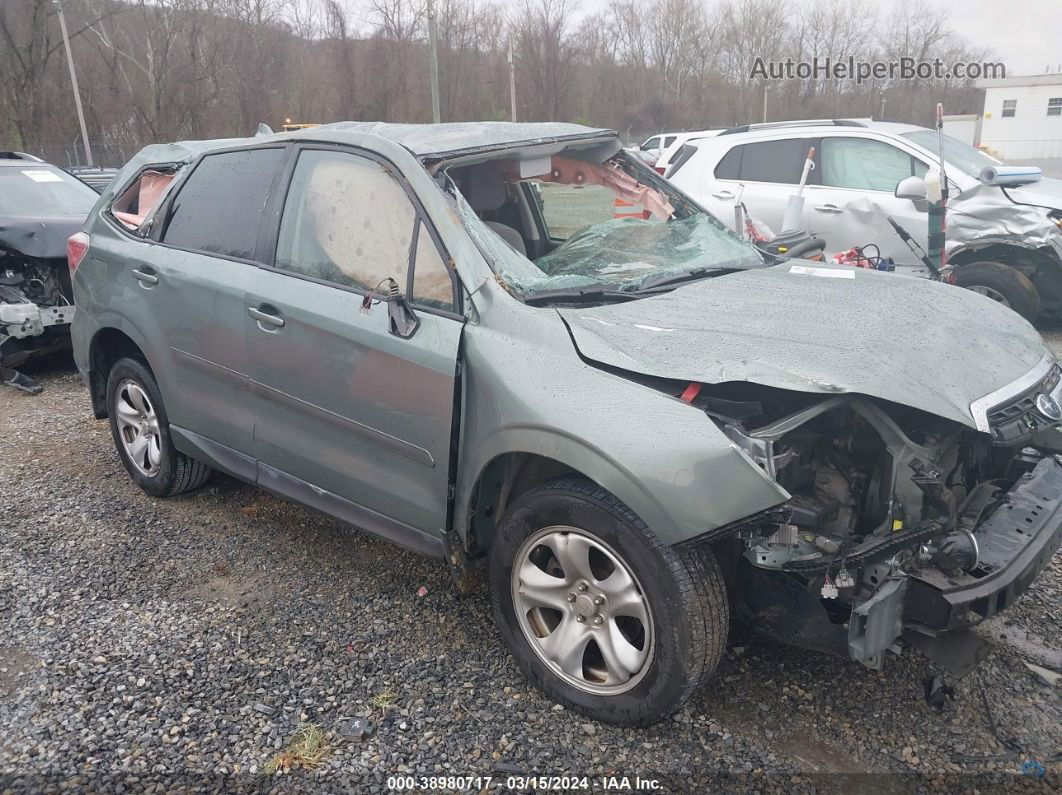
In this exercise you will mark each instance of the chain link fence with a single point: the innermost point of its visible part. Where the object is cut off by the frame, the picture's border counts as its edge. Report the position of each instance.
(67, 154)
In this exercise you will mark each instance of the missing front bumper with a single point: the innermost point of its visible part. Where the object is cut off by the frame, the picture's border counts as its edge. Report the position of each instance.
(933, 611)
(1015, 545)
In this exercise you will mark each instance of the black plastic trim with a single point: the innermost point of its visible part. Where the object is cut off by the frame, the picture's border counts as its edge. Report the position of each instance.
(351, 513)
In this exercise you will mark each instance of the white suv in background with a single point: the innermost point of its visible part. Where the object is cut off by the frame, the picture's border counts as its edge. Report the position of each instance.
(1004, 242)
(671, 151)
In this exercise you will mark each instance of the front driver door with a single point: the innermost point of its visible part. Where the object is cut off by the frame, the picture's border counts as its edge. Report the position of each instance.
(351, 418)
(856, 197)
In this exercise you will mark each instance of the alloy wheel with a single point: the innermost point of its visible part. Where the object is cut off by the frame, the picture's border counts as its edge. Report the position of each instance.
(995, 295)
(138, 427)
(582, 610)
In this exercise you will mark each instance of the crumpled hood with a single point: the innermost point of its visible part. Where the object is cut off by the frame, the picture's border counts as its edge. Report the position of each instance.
(984, 212)
(39, 237)
(1045, 193)
(929, 345)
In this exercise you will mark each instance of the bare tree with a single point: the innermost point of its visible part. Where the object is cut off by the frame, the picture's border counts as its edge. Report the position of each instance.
(155, 70)
(546, 54)
(30, 39)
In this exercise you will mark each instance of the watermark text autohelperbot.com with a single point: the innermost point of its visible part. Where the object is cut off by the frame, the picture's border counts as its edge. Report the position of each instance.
(828, 68)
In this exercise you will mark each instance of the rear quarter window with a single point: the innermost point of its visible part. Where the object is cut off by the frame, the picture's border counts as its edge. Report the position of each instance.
(685, 152)
(219, 207)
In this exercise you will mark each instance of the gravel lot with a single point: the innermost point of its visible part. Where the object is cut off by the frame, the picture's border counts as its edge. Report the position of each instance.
(180, 643)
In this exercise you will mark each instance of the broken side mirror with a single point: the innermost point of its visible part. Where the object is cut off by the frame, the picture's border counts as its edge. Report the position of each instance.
(402, 321)
(915, 189)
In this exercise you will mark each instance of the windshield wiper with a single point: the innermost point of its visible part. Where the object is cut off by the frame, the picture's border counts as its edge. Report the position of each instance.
(667, 279)
(578, 294)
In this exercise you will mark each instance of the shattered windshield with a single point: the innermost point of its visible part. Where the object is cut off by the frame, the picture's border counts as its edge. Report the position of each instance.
(966, 158)
(609, 229)
(622, 251)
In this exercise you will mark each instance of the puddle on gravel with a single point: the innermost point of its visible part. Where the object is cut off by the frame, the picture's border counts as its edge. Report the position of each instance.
(1027, 644)
(230, 590)
(16, 665)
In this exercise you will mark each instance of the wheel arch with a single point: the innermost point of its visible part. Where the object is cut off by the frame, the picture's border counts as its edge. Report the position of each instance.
(1015, 253)
(509, 471)
(1042, 265)
(108, 345)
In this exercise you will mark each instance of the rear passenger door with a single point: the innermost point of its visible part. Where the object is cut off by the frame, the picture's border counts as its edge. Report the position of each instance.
(762, 175)
(199, 275)
(349, 417)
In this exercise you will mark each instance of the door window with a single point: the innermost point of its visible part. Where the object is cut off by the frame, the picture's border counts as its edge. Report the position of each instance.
(767, 161)
(349, 222)
(866, 164)
(730, 166)
(219, 206)
(432, 282)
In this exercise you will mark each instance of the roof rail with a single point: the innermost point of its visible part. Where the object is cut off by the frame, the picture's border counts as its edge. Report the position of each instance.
(770, 125)
(9, 155)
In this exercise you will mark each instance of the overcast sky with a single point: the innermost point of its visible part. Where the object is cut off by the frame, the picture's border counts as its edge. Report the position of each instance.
(1025, 34)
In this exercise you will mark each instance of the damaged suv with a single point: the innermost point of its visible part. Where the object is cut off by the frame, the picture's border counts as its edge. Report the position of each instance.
(40, 207)
(517, 349)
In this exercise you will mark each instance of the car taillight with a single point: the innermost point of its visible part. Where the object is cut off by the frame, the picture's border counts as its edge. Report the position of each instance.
(76, 248)
(659, 170)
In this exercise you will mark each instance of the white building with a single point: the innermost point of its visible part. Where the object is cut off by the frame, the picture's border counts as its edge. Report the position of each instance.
(1023, 116)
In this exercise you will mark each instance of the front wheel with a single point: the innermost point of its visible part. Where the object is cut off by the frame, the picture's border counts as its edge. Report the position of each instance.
(1003, 284)
(598, 612)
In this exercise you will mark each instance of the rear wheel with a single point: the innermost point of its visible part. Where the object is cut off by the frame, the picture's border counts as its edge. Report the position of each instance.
(141, 433)
(598, 612)
(1003, 284)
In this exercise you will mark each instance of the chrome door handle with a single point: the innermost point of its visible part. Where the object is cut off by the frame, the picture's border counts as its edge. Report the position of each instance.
(723, 194)
(829, 208)
(265, 317)
(145, 279)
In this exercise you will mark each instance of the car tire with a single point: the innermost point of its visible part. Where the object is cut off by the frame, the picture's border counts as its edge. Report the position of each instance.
(141, 433)
(1001, 283)
(658, 651)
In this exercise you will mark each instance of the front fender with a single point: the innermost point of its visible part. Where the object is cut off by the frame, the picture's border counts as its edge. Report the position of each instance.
(662, 457)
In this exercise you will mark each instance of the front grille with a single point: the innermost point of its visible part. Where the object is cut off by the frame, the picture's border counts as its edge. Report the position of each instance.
(1019, 418)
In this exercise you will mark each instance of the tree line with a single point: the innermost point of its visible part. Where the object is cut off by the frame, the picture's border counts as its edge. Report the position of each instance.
(161, 70)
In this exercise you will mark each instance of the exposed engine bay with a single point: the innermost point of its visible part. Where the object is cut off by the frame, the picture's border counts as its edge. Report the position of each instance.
(887, 505)
(36, 308)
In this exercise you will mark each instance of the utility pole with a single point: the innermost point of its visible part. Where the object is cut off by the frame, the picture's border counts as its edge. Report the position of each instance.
(73, 81)
(512, 82)
(434, 54)
(764, 101)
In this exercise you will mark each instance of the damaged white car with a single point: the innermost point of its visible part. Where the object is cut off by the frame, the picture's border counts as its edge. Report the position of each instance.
(1003, 237)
